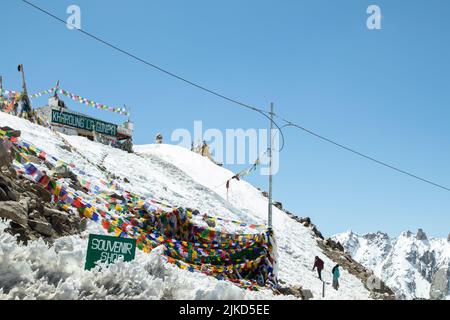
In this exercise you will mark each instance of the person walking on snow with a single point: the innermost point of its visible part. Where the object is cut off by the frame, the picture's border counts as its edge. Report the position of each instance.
(318, 263)
(336, 275)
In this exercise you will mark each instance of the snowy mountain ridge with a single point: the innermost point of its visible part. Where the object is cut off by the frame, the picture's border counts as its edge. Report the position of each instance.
(413, 265)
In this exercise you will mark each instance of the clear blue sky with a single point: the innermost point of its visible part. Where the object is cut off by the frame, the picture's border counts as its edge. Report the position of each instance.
(385, 93)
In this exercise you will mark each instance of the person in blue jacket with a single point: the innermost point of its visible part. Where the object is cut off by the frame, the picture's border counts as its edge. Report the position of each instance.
(336, 275)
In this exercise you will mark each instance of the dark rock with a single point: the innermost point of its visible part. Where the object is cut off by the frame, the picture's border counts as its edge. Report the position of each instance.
(118, 196)
(5, 182)
(14, 211)
(340, 247)
(49, 165)
(265, 194)
(211, 223)
(317, 232)
(50, 212)
(440, 284)
(41, 193)
(295, 291)
(306, 221)
(12, 172)
(60, 220)
(44, 228)
(408, 234)
(25, 203)
(279, 205)
(62, 171)
(33, 205)
(334, 245)
(306, 294)
(5, 157)
(65, 147)
(3, 195)
(421, 235)
(448, 238)
(36, 216)
(12, 195)
(20, 231)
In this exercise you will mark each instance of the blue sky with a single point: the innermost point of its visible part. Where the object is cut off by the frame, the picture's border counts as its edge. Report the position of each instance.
(385, 92)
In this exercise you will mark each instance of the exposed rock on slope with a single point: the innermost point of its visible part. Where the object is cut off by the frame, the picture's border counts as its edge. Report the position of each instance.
(27, 206)
(335, 251)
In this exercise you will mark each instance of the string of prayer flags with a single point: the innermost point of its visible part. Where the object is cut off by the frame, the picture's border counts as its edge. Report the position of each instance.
(93, 104)
(40, 94)
(243, 173)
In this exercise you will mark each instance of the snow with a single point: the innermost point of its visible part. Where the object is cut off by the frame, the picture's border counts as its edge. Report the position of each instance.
(176, 176)
(406, 264)
(39, 271)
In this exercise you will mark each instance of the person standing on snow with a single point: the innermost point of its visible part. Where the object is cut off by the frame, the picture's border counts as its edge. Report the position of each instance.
(336, 275)
(318, 263)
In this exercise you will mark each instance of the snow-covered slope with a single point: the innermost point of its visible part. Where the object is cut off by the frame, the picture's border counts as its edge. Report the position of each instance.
(407, 264)
(182, 178)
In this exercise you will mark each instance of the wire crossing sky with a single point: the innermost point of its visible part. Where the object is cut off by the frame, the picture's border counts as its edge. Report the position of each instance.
(381, 91)
(264, 113)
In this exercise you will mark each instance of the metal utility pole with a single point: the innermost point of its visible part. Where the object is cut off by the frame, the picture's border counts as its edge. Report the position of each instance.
(1, 92)
(270, 167)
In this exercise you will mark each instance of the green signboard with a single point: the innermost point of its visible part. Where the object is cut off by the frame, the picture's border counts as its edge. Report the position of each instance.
(108, 249)
(82, 122)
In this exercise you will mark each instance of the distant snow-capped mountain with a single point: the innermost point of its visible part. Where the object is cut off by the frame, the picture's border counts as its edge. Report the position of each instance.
(414, 266)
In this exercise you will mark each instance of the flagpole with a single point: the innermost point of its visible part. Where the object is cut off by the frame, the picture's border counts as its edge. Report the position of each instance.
(270, 167)
(24, 84)
(56, 89)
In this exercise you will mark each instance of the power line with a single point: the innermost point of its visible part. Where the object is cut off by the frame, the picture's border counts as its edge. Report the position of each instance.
(194, 84)
(266, 114)
(289, 123)
(215, 93)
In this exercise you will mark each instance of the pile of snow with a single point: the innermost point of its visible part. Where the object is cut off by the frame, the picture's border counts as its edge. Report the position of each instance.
(39, 271)
(182, 178)
(407, 264)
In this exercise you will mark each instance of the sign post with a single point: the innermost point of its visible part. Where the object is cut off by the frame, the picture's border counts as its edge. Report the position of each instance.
(108, 249)
(82, 122)
(269, 219)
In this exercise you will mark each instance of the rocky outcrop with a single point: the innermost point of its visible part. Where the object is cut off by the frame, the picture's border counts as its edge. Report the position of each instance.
(440, 285)
(14, 211)
(307, 223)
(296, 291)
(421, 235)
(29, 209)
(278, 204)
(334, 245)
